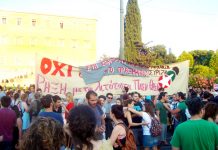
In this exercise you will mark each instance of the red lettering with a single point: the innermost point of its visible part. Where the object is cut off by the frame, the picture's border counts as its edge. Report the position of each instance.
(58, 68)
(46, 65)
(69, 71)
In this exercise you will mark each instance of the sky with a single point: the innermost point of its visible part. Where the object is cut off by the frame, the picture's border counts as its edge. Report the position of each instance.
(177, 24)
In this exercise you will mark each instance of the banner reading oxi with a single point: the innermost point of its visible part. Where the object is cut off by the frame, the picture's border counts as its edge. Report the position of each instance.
(54, 77)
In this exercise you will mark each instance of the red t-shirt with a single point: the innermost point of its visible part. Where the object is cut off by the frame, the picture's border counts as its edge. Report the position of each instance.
(69, 107)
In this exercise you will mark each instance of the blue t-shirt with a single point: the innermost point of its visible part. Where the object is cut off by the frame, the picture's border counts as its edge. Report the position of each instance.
(53, 115)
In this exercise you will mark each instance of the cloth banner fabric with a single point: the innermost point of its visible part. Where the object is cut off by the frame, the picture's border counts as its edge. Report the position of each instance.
(114, 66)
(54, 77)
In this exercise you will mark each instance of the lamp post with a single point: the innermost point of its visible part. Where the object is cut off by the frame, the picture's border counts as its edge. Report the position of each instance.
(121, 55)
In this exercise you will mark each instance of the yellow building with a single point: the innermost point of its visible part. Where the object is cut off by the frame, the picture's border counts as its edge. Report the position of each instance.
(68, 39)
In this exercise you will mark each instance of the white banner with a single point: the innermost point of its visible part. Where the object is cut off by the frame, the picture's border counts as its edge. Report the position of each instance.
(54, 77)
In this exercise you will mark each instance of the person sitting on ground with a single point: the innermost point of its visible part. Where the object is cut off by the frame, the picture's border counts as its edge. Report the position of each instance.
(43, 134)
(81, 129)
(196, 133)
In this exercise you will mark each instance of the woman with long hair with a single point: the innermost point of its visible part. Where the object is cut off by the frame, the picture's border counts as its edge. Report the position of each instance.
(44, 134)
(148, 140)
(81, 130)
(70, 104)
(128, 115)
(25, 112)
(118, 135)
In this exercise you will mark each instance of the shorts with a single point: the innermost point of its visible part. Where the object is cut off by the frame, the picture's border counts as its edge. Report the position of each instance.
(149, 141)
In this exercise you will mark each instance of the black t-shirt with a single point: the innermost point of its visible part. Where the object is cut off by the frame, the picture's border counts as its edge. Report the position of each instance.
(59, 110)
(137, 119)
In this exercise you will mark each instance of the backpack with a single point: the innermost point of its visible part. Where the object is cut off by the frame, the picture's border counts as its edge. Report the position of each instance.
(156, 127)
(17, 108)
(130, 139)
(20, 107)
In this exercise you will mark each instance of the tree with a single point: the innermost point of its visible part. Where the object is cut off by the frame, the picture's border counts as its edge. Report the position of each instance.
(204, 71)
(214, 62)
(186, 56)
(170, 58)
(161, 56)
(132, 33)
(202, 57)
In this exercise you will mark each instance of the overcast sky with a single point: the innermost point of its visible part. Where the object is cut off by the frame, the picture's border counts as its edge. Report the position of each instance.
(178, 24)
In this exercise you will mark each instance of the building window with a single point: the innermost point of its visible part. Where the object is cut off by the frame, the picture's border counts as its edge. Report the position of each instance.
(3, 20)
(34, 22)
(61, 25)
(18, 21)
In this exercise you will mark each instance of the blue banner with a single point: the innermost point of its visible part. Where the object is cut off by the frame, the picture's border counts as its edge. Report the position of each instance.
(95, 72)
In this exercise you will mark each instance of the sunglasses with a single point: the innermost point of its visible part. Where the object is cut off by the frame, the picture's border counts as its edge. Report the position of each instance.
(110, 97)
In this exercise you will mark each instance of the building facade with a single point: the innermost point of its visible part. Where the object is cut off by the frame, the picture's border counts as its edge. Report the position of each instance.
(23, 35)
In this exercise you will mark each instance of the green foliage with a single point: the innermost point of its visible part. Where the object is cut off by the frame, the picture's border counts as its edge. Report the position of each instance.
(132, 32)
(170, 58)
(186, 56)
(216, 81)
(161, 56)
(204, 71)
(202, 57)
(214, 62)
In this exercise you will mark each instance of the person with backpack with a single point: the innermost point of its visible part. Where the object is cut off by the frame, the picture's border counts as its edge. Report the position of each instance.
(121, 137)
(152, 129)
(180, 110)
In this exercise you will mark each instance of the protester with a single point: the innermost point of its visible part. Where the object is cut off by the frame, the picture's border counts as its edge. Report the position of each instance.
(81, 127)
(118, 136)
(108, 122)
(48, 105)
(70, 103)
(101, 102)
(35, 107)
(2, 93)
(31, 94)
(181, 108)
(211, 112)
(196, 133)
(57, 104)
(149, 141)
(24, 112)
(128, 115)
(17, 131)
(8, 121)
(43, 134)
(161, 112)
(137, 130)
(91, 97)
(119, 101)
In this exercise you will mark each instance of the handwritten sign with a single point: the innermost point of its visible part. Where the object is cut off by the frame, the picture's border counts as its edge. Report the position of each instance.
(54, 77)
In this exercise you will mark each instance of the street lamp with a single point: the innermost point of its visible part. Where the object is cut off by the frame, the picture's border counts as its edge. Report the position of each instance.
(121, 55)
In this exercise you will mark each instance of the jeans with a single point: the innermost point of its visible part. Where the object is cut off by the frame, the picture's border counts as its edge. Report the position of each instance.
(138, 134)
(109, 127)
(164, 132)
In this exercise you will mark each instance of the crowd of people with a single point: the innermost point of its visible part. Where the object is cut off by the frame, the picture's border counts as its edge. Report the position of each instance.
(30, 120)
